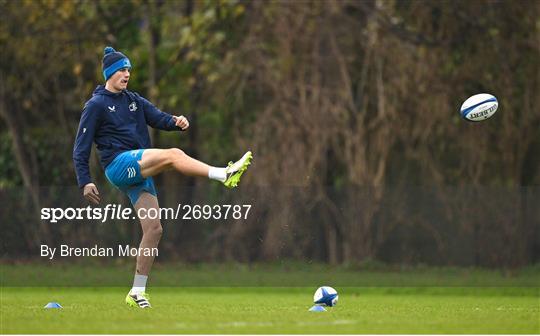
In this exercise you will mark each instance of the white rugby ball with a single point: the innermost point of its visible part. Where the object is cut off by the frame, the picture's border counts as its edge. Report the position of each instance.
(479, 107)
(325, 296)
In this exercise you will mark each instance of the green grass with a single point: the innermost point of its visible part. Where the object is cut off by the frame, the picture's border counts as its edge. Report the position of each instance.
(268, 299)
(271, 310)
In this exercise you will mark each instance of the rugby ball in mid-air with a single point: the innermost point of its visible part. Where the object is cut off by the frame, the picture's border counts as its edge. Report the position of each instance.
(479, 107)
(325, 296)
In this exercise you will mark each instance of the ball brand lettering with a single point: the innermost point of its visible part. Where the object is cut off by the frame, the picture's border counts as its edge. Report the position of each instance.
(482, 113)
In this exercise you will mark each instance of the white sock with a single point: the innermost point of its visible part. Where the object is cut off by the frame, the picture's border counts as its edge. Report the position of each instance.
(139, 284)
(218, 174)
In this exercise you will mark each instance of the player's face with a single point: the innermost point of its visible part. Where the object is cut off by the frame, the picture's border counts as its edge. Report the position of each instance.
(120, 79)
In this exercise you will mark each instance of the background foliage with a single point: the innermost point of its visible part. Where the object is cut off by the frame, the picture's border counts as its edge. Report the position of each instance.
(355, 101)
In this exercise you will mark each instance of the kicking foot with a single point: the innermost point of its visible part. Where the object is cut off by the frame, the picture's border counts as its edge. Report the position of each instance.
(138, 300)
(235, 170)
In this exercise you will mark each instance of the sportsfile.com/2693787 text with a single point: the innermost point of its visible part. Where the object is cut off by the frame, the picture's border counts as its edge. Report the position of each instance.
(118, 211)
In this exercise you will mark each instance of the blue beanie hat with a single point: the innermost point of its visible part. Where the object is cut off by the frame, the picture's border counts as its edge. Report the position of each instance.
(113, 61)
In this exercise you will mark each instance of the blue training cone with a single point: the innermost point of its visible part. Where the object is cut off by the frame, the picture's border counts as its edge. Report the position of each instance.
(317, 308)
(53, 305)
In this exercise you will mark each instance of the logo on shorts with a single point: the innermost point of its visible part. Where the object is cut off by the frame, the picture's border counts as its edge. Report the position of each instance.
(112, 108)
(133, 107)
(131, 172)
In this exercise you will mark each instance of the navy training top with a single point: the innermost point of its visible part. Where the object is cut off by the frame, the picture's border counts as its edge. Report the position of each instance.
(116, 122)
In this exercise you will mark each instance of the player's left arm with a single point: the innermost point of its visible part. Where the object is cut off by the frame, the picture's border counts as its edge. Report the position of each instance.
(161, 120)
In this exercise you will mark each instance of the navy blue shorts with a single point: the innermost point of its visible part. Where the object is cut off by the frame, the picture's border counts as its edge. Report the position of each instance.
(124, 173)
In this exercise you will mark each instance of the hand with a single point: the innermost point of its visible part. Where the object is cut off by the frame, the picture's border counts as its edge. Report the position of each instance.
(181, 122)
(91, 193)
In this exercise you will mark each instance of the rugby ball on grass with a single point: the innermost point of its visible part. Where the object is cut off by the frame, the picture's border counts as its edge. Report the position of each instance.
(479, 107)
(325, 296)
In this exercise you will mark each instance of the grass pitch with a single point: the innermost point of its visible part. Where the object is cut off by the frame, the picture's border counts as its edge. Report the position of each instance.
(270, 309)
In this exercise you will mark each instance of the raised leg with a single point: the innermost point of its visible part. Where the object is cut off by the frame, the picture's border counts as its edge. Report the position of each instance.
(155, 161)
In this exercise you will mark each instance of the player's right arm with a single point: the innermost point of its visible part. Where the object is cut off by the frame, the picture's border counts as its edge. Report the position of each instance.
(82, 149)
